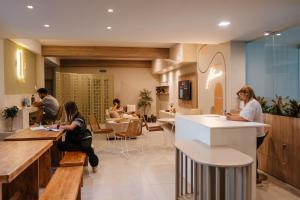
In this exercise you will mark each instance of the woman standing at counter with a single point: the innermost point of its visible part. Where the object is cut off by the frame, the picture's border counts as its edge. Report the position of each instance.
(251, 112)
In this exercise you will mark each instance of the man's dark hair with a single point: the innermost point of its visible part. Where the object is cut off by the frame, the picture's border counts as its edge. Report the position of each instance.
(42, 91)
(117, 101)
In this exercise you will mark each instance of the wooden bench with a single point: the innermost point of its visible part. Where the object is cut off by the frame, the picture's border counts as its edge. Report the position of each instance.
(64, 184)
(73, 158)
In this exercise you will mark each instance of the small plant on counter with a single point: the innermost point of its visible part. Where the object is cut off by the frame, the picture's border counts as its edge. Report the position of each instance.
(10, 112)
(264, 104)
(293, 109)
(279, 106)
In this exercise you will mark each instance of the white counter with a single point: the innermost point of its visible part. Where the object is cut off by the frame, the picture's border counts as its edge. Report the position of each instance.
(22, 119)
(215, 130)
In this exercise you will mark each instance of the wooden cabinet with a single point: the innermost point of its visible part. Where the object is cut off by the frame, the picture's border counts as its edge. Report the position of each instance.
(279, 155)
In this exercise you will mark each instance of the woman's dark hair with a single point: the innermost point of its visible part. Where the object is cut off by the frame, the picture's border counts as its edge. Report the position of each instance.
(71, 110)
(248, 91)
(117, 101)
(43, 91)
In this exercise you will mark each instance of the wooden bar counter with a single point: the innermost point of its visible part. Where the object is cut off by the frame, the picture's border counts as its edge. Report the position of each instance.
(19, 167)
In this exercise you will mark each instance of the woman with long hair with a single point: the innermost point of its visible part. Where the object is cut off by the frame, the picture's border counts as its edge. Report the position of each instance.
(252, 112)
(78, 136)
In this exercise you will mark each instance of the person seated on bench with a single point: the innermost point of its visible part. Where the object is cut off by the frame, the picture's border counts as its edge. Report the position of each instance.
(48, 107)
(78, 136)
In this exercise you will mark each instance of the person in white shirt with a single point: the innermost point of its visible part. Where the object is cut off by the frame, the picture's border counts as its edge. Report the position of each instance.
(252, 112)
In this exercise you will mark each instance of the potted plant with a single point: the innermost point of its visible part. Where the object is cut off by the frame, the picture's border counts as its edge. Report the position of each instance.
(264, 104)
(279, 106)
(293, 109)
(145, 100)
(10, 112)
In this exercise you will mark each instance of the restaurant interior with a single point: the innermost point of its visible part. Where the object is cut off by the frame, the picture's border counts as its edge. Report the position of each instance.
(149, 100)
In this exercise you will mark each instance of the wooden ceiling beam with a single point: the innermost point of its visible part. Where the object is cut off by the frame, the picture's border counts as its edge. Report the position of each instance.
(105, 63)
(105, 52)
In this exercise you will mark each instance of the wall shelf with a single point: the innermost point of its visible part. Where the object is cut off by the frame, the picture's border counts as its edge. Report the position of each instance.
(162, 90)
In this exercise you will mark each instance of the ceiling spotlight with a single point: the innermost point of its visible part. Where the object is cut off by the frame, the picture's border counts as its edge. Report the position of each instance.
(109, 28)
(224, 23)
(110, 10)
(266, 33)
(30, 7)
(46, 25)
(278, 34)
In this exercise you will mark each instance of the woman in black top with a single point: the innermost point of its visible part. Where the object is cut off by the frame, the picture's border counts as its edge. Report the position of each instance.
(78, 137)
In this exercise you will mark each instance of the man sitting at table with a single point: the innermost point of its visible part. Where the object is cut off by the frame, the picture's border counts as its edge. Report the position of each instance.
(48, 107)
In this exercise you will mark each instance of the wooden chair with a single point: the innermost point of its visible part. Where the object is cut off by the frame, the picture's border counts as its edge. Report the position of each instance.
(152, 128)
(65, 184)
(134, 130)
(59, 113)
(95, 126)
(57, 117)
(96, 129)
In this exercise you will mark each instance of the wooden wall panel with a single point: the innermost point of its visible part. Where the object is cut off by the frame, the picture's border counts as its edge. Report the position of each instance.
(105, 52)
(105, 63)
(279, 153)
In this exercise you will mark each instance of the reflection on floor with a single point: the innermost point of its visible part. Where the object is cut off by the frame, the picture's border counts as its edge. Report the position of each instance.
(149, 175)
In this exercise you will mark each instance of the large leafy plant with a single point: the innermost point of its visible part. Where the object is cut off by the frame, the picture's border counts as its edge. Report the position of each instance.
(264, 104)
(145, 100)
(293, 109)
(10, 112)
(279, 106)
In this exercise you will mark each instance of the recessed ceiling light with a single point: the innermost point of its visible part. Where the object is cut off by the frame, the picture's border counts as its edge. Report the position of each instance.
(110, 10)
(278, 34)
(30, 7)
(266, 33)
(224, 23)
(109, 28)
(46, 25)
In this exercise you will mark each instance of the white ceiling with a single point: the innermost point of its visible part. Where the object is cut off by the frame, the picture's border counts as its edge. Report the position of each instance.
(144, 22)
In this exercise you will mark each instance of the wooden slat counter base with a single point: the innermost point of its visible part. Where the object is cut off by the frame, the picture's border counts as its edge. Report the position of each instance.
(64, 185)
(28, 134)
(19, 167)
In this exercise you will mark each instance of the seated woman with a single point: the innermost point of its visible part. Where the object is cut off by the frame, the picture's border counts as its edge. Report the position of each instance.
(252, 112)
(78, 137)
(117, 109)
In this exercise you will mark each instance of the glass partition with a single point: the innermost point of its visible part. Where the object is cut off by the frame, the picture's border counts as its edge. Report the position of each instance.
(272, 64)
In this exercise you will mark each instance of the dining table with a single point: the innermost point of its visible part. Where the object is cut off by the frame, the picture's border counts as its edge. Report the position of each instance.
(20, 167)
(118, 125)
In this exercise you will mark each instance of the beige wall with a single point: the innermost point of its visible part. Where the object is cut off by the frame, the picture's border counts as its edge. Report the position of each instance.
(16, 99)
(233, 76)
(127, 82)
(172, 78)
(234, 54)
(13, 85)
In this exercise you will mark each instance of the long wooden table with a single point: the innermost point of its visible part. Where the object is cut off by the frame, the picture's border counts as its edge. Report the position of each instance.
(28, 134)
(19, 167)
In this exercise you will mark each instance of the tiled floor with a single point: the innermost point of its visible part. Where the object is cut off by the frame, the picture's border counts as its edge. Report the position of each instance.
(149, 175)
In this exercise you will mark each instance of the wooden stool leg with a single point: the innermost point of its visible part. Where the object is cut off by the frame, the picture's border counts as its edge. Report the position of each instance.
(27, 183)
(56, 155)
(79, 194)
(86, 162)
(45, 168)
